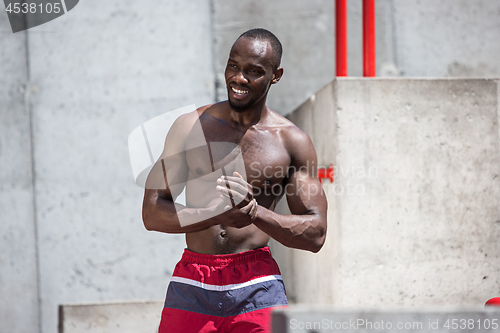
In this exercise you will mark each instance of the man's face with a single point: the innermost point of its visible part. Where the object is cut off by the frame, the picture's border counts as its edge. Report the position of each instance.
(249, 73)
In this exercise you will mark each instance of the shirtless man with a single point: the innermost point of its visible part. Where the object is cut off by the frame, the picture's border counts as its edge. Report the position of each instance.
(251, 158)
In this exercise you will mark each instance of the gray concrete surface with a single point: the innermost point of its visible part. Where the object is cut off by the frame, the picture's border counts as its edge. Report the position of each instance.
(413, 39)
(18, 264)
(416, 195)
(91, 83)
(446, 38)
(110, 317)
(308, 319)
(95, 82)
(426, 38)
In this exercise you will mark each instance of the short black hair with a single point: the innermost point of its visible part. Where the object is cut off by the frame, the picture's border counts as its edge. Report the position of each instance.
(263, 34)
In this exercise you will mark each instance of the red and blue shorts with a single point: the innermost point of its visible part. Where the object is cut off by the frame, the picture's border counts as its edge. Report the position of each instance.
(223, 293)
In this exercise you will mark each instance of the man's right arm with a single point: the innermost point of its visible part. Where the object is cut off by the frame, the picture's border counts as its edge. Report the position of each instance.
(160, 213)
(166, 181)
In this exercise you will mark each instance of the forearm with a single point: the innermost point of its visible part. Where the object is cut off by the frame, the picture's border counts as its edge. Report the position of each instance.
(163, 215)
(305, 232)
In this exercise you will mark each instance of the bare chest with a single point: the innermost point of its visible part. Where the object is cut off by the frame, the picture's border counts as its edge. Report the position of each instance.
(258, 154)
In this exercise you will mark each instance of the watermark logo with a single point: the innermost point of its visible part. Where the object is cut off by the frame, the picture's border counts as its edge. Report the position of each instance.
(206, 178)
(26, 14)
(158, 151)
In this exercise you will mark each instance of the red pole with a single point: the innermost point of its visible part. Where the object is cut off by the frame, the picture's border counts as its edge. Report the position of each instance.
(369, 64)
(341, 37)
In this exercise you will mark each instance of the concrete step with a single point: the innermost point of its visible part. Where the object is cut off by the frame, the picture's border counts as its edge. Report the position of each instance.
(309, 319)
(111, 317)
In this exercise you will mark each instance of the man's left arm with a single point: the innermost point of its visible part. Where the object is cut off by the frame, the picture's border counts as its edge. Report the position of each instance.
(305, 228)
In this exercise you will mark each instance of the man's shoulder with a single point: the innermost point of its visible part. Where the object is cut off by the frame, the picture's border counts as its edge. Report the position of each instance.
(189, 118)
(291, 134)
(203, 108)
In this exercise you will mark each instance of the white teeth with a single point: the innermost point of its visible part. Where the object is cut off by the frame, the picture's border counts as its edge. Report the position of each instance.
(239, 92)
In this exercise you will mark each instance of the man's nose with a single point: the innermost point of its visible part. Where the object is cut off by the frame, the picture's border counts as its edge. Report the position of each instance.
(240, 78)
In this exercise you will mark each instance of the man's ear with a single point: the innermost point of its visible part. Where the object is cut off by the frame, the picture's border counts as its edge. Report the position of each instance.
(277, 75)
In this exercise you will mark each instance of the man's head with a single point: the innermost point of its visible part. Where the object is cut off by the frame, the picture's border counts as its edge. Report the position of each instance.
(252, 67)
(266, 35)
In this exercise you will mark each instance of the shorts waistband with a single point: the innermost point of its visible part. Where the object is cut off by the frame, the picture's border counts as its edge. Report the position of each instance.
(226, 259)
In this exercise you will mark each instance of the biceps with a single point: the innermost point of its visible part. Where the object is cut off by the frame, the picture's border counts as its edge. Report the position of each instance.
(168, 174)
(304, 194)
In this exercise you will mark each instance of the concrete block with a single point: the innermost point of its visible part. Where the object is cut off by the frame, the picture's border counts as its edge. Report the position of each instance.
(110, 317)
(416, 194)
(422, 158)
(310, 319)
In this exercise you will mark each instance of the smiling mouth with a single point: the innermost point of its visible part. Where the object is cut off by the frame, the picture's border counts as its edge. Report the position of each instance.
(239, 92)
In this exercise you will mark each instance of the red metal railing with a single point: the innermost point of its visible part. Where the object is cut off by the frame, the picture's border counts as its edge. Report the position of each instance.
(369, 65)
(341, 37)
(369, 55)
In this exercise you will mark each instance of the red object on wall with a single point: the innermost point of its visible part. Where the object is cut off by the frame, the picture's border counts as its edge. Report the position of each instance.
(369, 55)
(495, 301)
(341, 37)
(326, 173)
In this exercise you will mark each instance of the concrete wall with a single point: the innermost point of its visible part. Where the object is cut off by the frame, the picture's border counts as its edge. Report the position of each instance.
(426, 38)
(414, 38)
(18, 264)
(446, 38)
(414, 217)
(93, 76)
(95, 82)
